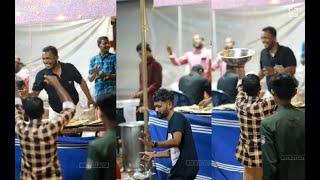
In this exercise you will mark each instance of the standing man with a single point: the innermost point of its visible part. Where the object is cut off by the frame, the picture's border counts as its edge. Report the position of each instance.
(101, 161)
(102, 69)
(154, 75)
(275, 58)
(283, 134)
(219, 64)
(38, 139)
(182, 150)
(194, 85)
(200, 55)
(67, 75)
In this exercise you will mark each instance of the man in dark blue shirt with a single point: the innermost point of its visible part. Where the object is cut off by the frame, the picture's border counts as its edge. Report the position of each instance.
(228, 83)
(194, 85)
(182, 150)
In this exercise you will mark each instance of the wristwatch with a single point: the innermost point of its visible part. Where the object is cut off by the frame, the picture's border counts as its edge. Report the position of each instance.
(154, 144)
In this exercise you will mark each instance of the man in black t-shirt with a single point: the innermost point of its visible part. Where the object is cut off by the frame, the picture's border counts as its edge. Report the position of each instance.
(182, 150)
(194, 85)
(228, 83)
(275, 58)
(66, 73)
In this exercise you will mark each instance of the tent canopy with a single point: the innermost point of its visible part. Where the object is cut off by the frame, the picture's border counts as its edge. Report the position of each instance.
(49, 11)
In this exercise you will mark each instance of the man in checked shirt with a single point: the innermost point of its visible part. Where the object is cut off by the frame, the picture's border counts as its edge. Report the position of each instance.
(251, 110)
(38, 139)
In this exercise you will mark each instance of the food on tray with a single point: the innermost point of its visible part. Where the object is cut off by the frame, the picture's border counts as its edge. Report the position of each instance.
(297, 103)
(226, 107)
(194, 109)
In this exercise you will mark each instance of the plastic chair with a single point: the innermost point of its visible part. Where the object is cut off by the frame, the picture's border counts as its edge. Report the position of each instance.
(220, 97)
(180, 99)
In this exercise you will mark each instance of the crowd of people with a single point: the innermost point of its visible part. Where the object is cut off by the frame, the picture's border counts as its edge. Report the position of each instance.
(271, 129)
(38, 138)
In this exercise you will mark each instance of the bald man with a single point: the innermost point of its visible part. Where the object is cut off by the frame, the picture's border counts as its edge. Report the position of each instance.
(220, 65)
(200, 55)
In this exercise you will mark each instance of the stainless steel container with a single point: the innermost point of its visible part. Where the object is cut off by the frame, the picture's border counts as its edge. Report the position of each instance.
(236, 56)
(131, 146)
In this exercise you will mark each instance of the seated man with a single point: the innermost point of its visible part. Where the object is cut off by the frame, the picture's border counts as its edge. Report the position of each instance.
(101, 161)
(194, 85)
(228, 83)
(38, 139)
(283, 134)
(251, 110)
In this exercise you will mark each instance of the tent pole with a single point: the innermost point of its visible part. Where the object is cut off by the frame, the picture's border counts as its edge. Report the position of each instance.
(144, 70)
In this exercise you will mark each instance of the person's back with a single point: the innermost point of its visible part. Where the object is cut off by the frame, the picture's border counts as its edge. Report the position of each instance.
(283, 133)
(194, 86)
(287, 126)
(38, 139)
(102, 150)
(34, 146)
(228, 83)
(101, 159)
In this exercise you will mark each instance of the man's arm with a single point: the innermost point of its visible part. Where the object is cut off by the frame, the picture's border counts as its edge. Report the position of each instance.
(174, 142)
(241, 96)
(93, 70)
(156, 78)
(86, 91)
(164, 154)
(19, 113)
(68, 105)
(174, 59)
(261, 74)
(290, 69)
(269, 153)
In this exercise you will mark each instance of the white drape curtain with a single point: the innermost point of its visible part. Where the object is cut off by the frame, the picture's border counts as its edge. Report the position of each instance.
(76, 42)
(164, 26)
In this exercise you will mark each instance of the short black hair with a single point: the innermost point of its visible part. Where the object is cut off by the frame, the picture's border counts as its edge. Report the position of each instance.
(251, 84)
(99, 40)
(270, 30)
(139, 47)
(163, 95)
(51, 49)
(284, 85)
(107, 104)
(197, 68)
(33, 107)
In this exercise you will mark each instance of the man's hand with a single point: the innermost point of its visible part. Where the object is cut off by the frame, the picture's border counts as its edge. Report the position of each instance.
(51, 80)
(138, 94)
(91, 101)
(147, 156)
(204, 103)
(268, 71)
(169, 49)
(279, 68)
(96, 70)
(23, 93)
(146, 140)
